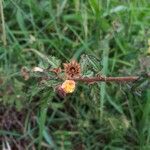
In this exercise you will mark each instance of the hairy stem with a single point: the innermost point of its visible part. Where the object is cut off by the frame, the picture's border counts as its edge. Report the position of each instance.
(107, 79)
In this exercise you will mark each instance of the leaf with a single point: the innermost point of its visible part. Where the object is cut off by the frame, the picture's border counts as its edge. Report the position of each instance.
(138, 86)
(116, 106)
(95, 62)
(56, 62)
(53, 61)
(115, 10)
(48, 138)
(90, 65)
(21, 22)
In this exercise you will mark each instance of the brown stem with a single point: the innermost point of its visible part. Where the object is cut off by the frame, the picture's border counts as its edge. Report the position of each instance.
(107, 79)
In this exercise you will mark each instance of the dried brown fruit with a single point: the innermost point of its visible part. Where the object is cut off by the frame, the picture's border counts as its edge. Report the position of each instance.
(56, 70)
(72, 69)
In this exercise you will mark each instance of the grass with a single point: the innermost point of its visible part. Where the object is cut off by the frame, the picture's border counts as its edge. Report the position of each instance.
(100, 116)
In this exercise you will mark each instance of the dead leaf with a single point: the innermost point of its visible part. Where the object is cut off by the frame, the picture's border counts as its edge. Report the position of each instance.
(56, 70)
(25, 73)
(37, 69)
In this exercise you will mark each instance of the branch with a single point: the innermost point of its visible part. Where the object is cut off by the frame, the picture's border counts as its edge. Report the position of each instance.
(87, 79)
(107, 79)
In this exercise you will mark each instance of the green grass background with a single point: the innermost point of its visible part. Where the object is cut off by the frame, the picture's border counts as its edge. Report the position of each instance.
(94, 117)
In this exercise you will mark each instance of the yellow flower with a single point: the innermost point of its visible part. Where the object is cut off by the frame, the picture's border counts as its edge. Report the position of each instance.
(68, 86)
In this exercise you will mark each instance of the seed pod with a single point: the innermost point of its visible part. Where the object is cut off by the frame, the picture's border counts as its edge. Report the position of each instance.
(60, 92)
(72, 69)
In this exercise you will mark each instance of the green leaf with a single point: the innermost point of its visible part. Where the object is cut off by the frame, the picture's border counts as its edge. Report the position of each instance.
(53, 61)
(21, 22)
(90, 65)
